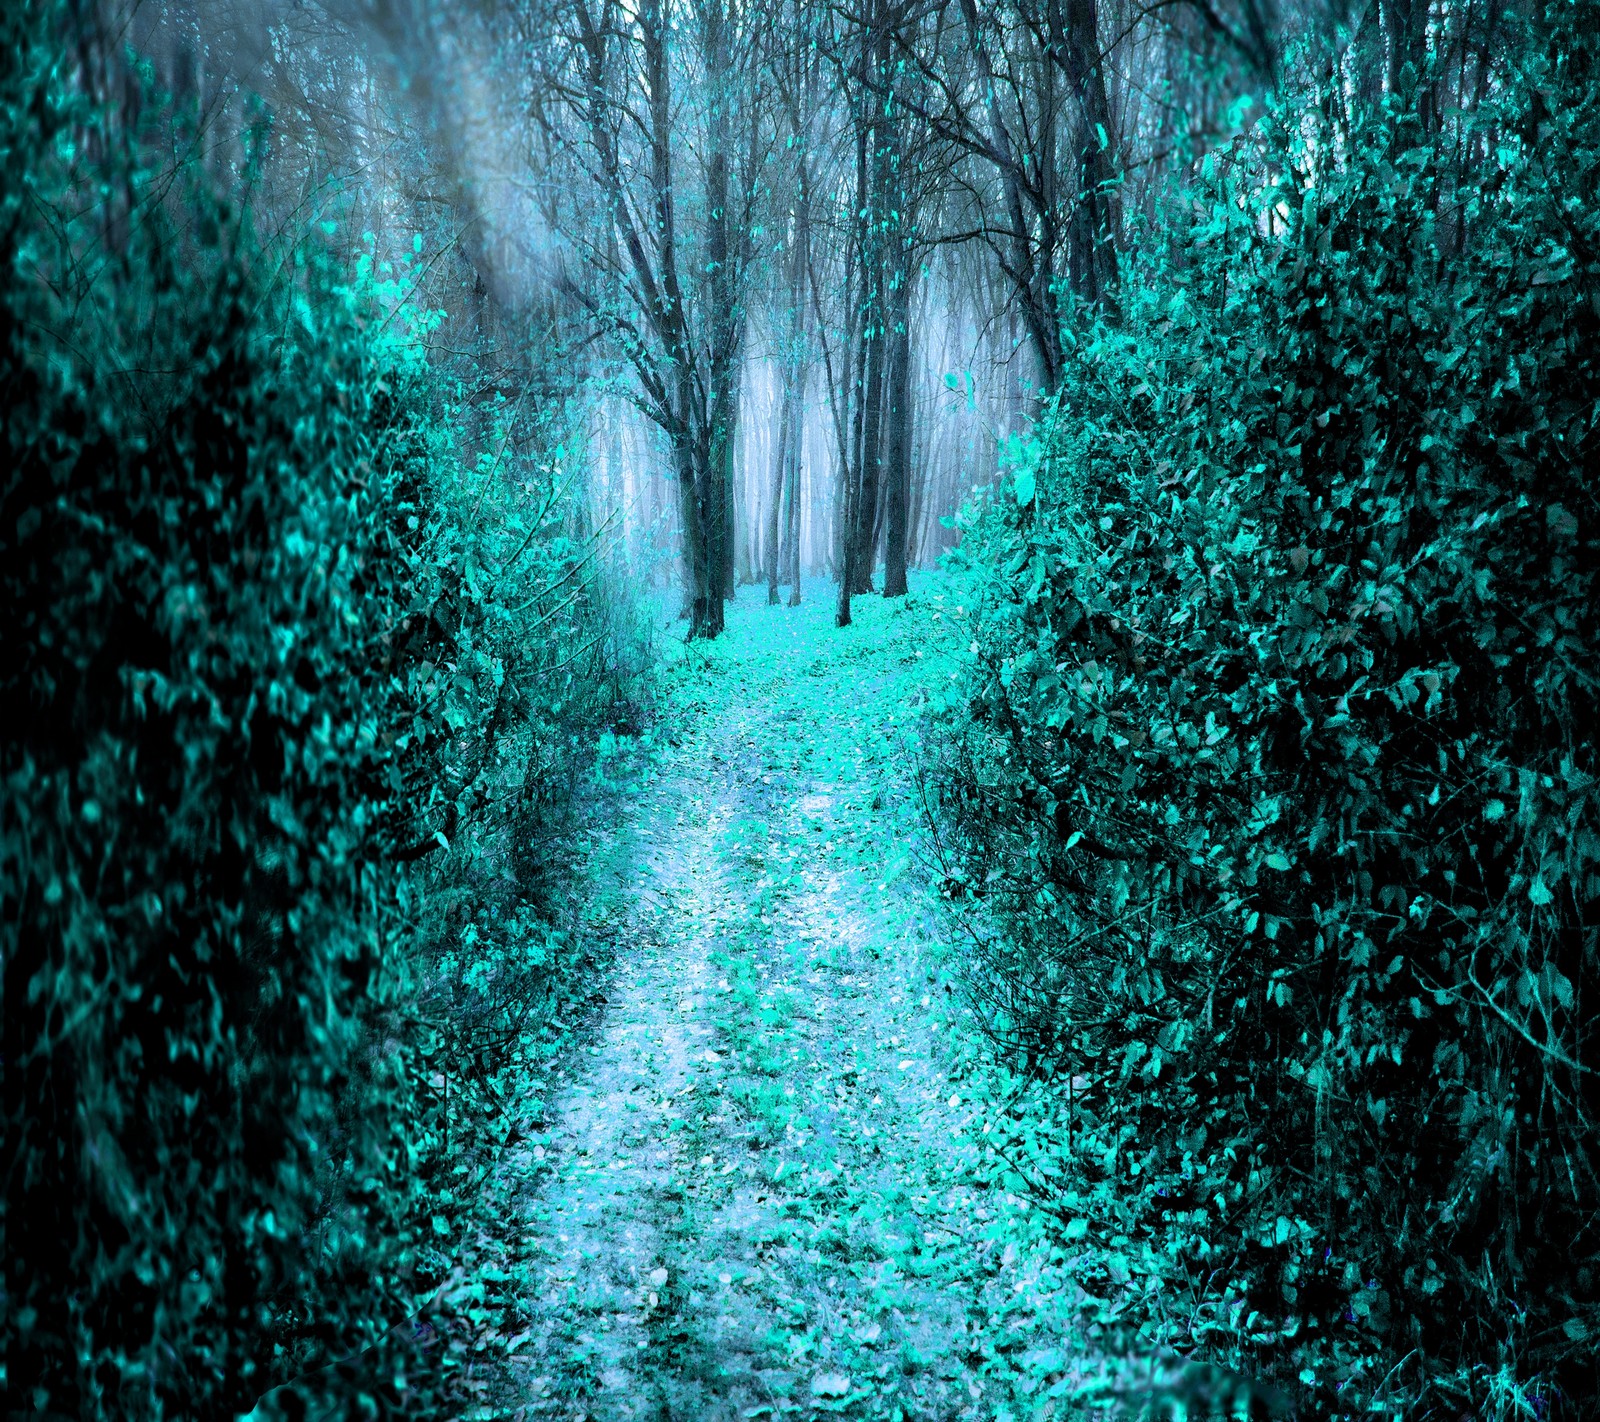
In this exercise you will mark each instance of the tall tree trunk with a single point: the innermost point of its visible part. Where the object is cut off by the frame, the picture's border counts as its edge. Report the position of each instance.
(863, 560)
(853, 472)
(780, 470)
(1092, 237)
(876, 246)
(1031, 229)
(857, 336)
(796, 450)
(898, 474)
(724, 318)
(791, 362)
(701, 563)
(746, 520)
(727, 485)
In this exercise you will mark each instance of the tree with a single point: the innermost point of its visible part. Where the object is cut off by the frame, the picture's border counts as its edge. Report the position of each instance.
(1019, 89)
(889, 168)
(669, 292)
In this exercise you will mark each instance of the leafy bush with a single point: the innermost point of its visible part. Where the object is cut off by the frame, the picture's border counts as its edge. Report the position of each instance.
(269, 653)
(1275, 770)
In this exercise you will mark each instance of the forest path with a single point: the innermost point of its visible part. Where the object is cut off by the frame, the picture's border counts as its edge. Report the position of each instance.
(756, 1196)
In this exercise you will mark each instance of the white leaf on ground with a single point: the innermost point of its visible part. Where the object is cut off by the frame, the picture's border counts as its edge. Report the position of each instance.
(830, 1385)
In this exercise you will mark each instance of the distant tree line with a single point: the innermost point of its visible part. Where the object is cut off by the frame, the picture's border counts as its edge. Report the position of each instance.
(815, 259)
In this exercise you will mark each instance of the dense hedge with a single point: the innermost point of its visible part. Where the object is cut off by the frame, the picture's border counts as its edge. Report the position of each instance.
(1275, 769)
(282, 685)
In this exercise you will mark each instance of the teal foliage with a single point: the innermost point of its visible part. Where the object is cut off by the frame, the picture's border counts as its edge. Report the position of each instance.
(1274, 768)
(280, 683)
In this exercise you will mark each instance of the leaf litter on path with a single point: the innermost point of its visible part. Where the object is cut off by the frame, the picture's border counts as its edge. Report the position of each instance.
(757, 1196)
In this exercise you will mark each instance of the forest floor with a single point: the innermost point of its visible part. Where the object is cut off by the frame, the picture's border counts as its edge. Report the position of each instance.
(762, 1188)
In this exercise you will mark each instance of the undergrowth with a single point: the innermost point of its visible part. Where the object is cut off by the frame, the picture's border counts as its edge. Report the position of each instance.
(301, 699)
(1269, 789)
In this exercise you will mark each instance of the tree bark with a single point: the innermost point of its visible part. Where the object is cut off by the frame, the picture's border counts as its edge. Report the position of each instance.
(865, 512)
(852, 471)
(780, 470)
(723, 322)
(1092, 251)
(876, 246)
(898, 491)
(796, 449)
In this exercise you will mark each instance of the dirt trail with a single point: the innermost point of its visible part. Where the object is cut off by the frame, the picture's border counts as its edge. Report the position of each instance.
(751, 1199)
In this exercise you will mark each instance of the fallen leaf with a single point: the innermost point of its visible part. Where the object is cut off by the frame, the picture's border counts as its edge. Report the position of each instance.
(512, 1344)
(830, 1385)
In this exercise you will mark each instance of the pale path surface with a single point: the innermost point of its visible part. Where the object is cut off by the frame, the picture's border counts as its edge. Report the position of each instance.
(756, 1194)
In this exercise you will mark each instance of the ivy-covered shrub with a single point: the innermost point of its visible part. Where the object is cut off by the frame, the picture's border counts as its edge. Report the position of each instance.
(1275, 772)
(275, 676)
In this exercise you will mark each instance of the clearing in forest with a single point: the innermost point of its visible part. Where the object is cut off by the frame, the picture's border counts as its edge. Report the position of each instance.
(758, 1191)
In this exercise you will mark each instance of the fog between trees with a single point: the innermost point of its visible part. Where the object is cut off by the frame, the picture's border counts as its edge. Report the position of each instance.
(804, 265)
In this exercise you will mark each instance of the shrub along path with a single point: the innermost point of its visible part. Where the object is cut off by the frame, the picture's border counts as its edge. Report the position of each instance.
(759, 1193)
